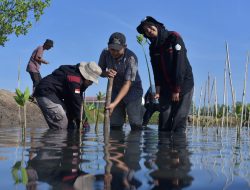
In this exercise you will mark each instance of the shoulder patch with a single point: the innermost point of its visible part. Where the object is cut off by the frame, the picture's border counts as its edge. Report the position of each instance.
(177, 47)
(72, 78)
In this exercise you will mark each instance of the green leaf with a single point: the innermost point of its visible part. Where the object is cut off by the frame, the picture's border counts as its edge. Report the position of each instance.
(17, 165)
(24, 176)
(140, 39)
(26, 94)
(14, 173)
(19, 100)
(18, 92)
(91, 107)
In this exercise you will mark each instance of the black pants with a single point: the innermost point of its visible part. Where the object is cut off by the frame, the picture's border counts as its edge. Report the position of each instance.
(150, 109)
(173, 116)
(35, 77)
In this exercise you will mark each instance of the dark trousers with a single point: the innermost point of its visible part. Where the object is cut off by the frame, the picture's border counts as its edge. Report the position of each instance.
(150, 109)
(173, 116)
(35, 77)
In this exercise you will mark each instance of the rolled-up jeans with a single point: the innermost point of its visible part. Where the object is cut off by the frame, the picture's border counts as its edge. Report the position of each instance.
(54, 113)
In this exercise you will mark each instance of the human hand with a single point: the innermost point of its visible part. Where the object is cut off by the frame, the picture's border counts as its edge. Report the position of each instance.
(111, 108)
(111, 73)
(157, 96)
(175, 97)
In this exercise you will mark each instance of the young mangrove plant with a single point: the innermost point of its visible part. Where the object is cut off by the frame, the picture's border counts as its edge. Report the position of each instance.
(19, 173)
(142, 41)
(99, 96)
(21, 99)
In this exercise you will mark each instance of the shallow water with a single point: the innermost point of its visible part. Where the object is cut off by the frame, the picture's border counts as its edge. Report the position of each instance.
(204, 158)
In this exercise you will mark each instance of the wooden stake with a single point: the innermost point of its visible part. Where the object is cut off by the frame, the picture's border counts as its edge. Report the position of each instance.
(107, 103)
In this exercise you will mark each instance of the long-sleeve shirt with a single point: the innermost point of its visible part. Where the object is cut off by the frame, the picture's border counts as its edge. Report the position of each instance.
(65, 84)
(172, 70)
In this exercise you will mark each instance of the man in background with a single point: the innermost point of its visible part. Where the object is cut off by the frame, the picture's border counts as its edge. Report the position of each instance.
(35, 61)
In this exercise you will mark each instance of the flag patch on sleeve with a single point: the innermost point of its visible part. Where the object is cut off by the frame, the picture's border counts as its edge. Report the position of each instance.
(77, 91)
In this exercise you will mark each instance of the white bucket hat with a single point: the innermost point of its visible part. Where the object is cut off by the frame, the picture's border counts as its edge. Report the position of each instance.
(90, 71)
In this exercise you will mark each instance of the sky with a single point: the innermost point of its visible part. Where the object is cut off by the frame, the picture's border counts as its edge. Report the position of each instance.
(80, 30)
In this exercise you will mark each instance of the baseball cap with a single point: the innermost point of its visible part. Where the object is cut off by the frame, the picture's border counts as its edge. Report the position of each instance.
(90, 71)
(117, 41)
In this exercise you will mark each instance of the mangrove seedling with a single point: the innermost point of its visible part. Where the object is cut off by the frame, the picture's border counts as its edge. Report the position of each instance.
(142, 41)
(21, 99)
(99, 96)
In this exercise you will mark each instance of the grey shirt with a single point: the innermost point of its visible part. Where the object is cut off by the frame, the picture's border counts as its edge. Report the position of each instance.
(127, 70)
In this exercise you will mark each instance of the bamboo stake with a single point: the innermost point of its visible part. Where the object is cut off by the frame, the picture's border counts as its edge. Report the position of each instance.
(193, 107)
(244, 91)
(248, 121)
(82, 108)
(231, 81)
(211, 107)
(231, 118)
(224, 94)
(227, 108)
(208, 95)
(107, 103)
(204, 103)
(199, 109)
(215, 102)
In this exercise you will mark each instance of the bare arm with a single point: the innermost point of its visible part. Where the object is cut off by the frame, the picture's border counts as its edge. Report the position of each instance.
(124, 90)
(40, 59)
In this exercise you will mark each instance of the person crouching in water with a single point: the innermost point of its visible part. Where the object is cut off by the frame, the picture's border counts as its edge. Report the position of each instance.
(60, 94)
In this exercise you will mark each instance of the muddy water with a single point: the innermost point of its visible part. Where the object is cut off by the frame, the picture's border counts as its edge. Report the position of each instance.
(203, 158)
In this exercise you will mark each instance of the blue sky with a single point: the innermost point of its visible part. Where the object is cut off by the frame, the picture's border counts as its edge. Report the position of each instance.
(81, 28)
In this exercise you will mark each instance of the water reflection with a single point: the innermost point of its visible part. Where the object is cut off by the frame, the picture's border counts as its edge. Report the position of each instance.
(56, 162)
(125, 154)
(143, 160)
(172, 165)
(205, 158)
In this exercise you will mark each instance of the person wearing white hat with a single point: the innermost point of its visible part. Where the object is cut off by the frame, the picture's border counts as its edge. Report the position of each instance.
(60, 94)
